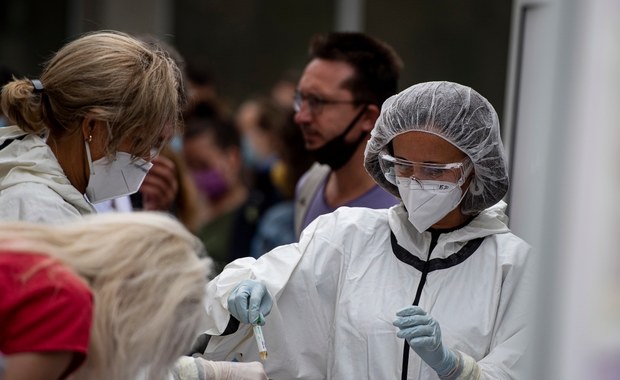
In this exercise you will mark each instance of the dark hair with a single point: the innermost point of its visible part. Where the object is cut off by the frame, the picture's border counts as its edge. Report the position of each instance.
(223, 130)
(292, 151)
(199, 73)
(377, 66)
(270, 115)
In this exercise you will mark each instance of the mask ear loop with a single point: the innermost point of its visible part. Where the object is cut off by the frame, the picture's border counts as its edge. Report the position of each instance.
(88, 156)
(475, 187)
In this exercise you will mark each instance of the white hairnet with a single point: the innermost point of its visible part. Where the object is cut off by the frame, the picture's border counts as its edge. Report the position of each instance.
(456, 113)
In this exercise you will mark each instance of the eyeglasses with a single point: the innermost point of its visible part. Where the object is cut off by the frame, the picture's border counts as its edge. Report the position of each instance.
(455, 172)
(315, 103)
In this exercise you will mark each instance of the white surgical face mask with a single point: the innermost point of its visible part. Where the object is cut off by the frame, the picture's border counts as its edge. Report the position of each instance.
(112, 179)
(427, 202)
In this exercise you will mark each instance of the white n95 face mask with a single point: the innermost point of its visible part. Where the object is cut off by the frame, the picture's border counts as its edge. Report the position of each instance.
(427, 202)
(116, 178)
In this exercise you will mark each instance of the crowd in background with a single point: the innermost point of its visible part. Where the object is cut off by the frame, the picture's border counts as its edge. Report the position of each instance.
(244, 165)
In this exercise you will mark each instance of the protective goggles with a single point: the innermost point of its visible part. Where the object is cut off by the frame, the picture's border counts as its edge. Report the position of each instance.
(393, 167)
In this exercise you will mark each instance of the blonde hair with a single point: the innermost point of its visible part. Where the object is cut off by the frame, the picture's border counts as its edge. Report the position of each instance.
(132, 85)
(147, 281)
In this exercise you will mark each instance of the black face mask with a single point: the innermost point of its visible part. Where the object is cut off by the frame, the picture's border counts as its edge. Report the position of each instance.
(337, 152)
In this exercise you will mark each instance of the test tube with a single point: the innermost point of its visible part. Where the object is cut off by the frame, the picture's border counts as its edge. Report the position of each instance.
(260, 339)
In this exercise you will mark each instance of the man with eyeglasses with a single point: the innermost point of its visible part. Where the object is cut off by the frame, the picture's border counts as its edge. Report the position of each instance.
(337, 102)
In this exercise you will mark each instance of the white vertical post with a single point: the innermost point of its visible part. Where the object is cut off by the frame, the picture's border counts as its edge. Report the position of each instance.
(563, 125)
(588, 222)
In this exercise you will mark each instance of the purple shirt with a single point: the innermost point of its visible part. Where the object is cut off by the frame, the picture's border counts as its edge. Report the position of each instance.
(375, 198)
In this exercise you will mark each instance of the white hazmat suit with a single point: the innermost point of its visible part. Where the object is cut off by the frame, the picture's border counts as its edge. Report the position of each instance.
(33, 186)
(337, 291)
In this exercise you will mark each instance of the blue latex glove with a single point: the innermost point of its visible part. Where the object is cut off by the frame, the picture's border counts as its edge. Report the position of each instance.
(423, 334)
(250, 302)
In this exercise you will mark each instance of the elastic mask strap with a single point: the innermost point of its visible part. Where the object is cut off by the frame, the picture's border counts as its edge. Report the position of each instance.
(354, 121)
(90, 160)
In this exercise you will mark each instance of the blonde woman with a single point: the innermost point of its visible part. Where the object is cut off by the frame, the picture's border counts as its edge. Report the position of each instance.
(146, 281)
(88, 129)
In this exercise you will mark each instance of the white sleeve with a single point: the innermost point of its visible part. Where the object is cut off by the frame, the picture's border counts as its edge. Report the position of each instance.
(509, 356)
(34, 202)
(301, 277)
(273, 269)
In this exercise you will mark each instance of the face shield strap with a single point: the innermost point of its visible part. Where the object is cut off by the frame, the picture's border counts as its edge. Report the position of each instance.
(468, 168)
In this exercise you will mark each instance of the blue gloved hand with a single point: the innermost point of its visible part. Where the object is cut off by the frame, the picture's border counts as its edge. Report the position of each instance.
(423, 334)
(250, 302)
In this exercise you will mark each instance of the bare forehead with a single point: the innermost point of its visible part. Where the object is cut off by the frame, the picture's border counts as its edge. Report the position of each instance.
(425, 147)
(325, 75)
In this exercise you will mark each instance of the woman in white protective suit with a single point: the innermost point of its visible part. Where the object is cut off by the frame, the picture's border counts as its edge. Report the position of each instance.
(441, 270)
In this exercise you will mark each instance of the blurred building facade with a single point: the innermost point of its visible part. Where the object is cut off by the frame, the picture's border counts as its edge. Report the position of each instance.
(248, 44)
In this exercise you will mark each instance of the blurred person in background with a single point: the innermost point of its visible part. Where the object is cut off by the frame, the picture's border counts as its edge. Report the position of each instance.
(202, 91)
(436, 287)
(283, 90)
(259, 119)
(276, 226)
(87, 131)
(212, 152)
(188, 205)
(338, 99)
